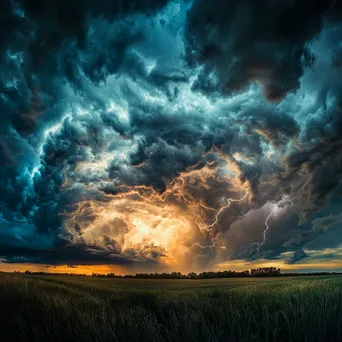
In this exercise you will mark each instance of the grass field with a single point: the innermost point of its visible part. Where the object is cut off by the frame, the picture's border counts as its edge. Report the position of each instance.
(61, 308)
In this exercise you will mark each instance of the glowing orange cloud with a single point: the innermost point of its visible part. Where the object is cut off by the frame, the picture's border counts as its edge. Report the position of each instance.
(141, 223)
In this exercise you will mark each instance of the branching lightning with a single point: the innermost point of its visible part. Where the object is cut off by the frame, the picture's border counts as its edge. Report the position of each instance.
(151, 220)
(202, 247)
(199, 245)
(229, 201)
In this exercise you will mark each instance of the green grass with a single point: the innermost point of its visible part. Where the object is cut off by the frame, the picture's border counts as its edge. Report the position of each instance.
(89, 309)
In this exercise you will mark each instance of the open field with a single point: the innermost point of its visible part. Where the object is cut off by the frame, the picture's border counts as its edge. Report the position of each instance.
(61, 308)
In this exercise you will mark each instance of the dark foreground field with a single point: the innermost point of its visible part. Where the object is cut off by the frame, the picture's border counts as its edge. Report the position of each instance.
(89, 309)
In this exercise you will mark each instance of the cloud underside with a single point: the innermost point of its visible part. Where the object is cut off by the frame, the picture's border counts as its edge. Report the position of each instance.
(168, 133)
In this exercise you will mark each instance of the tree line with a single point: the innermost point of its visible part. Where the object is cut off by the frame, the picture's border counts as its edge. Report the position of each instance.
(255, 272)
(258, 272)
(261, 272)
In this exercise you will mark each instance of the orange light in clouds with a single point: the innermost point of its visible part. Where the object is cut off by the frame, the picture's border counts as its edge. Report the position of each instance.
(142, 224)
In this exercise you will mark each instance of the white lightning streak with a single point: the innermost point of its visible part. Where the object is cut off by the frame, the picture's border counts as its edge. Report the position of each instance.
(202, 247)
(264, 234)
(229, 201)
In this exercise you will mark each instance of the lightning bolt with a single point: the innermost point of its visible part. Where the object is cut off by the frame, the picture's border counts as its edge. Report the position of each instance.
(254, 248)
(202, 247)
(229, 201)
(264, 234)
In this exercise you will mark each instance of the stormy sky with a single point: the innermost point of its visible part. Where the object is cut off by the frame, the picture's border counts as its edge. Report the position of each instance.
(179, 135)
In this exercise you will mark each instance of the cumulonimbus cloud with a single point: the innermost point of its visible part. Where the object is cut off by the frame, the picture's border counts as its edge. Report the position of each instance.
(163, 132)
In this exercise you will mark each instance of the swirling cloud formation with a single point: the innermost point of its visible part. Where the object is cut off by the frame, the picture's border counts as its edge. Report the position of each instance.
(170, 134)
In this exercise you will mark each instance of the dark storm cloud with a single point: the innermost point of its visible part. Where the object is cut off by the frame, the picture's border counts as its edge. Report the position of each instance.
(41, 42)
(233, 51)
(97, 97)
(236, 42)
(44, 40)
(73, 255)
(28, 247)
(298, 255)
(314, 166)
(325, 223)
(277, 128)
